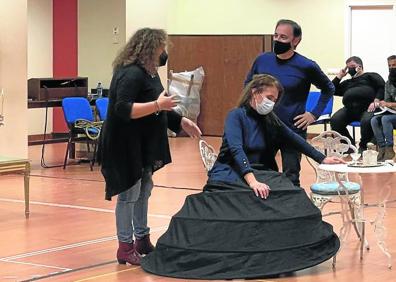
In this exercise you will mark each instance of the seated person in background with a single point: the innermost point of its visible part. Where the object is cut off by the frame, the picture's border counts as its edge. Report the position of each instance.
(359, 97)
(250, 221)
(384, 124)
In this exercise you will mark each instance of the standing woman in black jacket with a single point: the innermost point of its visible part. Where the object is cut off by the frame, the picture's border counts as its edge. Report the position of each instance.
(134, 140)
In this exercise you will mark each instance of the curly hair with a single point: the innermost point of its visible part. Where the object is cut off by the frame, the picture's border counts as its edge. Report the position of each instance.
(141, 48)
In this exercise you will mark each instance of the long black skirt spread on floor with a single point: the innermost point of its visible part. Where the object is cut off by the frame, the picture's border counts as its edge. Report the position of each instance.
(227, 232)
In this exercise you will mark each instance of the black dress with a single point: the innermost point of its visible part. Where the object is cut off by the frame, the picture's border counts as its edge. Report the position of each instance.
(226, 232)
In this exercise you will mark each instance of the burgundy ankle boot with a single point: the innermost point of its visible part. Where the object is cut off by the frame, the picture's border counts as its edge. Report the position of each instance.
(143, 245)
(126, 254)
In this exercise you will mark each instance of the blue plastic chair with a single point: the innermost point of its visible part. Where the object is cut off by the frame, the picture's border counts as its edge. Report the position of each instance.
(101, 107)
(312, 100)
(80, 121)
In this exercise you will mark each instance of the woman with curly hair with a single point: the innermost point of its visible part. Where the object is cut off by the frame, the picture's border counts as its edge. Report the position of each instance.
(134, 142)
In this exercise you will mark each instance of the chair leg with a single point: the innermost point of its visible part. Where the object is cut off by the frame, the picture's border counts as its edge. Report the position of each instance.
(67, 151)
(334, 261)
(354, 134)
(93, 156)
(88, 147)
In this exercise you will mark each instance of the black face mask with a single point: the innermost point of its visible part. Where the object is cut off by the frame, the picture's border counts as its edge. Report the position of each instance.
(281, 47)
(163, 59)
(352, 71)
(392, 75)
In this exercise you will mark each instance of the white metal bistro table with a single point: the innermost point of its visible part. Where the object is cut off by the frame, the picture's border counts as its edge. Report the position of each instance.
(384, 191)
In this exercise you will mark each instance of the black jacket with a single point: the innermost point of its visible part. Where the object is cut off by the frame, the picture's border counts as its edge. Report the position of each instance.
(128, 145)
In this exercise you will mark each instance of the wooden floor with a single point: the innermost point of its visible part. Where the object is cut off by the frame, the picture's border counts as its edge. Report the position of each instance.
(70, 235)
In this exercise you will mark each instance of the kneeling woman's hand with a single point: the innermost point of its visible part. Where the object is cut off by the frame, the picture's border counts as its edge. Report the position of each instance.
(333, 160)
(260, 189)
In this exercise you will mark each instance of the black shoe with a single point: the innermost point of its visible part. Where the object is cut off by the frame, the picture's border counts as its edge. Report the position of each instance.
(143, 245)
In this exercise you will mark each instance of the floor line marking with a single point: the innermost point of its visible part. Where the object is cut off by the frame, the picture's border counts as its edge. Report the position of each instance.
(60, 248)
(106, 274)
(102, 181)
(75, 207)
(71, 246)
(54, 274)
(36, 264)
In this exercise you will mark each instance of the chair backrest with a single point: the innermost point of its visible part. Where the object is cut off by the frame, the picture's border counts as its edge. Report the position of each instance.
(75, 108)
(208, 154)
(330, 143)
(312, 100)
(101, 107)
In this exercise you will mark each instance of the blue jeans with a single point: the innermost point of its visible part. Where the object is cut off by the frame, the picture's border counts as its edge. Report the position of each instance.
(131, 209)
(383, 126)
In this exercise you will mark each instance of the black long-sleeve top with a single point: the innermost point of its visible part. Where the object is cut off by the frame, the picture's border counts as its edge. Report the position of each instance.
(360, 91)
(248, 140)
(129, 145)
(296, 75)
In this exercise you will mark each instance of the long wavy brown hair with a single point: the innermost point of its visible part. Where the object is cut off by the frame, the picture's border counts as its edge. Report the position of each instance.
(141, 49)
(259, 83)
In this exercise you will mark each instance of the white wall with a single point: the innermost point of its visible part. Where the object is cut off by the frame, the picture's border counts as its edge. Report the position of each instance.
(40, 56)
(322, 22)
(150, 13)
(97, 45)
(13, 77)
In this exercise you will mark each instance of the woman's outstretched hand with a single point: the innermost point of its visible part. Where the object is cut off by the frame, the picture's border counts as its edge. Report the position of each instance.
(333, 160)
(190, 128)
(260, 189)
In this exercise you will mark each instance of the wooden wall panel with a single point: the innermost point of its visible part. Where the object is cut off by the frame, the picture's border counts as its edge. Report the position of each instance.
(226, 60)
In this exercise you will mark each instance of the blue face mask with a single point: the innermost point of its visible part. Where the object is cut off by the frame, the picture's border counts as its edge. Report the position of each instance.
(265, 107)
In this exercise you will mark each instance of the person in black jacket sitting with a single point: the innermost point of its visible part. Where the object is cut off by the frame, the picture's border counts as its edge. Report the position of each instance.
(360, 97)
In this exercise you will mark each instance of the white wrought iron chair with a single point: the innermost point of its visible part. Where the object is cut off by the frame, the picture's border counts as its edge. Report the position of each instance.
(326, 188)
(208, 154)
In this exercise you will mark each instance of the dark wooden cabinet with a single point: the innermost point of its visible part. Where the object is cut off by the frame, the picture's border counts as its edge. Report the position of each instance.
(226, 60)
(49, 89)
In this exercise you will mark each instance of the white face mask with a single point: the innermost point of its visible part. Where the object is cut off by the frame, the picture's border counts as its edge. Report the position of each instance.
(265, 107)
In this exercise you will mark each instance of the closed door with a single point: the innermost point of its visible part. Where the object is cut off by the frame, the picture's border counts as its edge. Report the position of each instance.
(226, 60)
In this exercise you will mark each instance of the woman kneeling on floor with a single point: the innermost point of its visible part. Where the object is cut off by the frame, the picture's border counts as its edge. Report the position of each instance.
(250, 221)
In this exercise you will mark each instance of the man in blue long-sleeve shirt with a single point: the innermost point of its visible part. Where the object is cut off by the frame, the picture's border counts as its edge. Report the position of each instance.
(296, 73)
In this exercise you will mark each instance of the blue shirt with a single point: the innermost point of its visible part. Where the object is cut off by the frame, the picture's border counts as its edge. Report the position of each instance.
(296, 76)
(245, 143)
